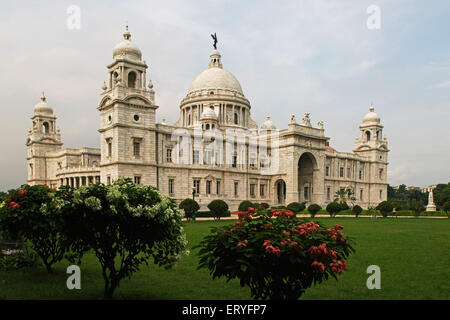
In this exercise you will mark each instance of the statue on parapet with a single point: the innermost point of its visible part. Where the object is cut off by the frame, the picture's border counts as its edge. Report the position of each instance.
(306, 121)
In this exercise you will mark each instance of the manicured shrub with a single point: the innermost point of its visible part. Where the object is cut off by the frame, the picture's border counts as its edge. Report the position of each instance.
(313, 209)
(125, 225)
(385, 207)
(190, 207)
(344, 205)
(333, 208)
(296, 207)
(218, 208)
(277, 258)
(357, 210)
(33, 212)
(264, 205)
(244, 205)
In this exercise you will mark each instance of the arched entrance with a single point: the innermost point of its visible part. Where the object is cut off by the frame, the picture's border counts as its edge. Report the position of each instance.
(306, 165)
(280, 188)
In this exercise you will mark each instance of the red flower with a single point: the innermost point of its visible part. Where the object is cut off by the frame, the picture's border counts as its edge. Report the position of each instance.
(241, 244)
(286, 233)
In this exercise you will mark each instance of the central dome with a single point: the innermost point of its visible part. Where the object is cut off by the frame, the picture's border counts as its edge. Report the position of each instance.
(215, 77)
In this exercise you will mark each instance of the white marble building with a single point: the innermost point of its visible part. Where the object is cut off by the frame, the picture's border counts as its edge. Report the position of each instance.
(215, 148)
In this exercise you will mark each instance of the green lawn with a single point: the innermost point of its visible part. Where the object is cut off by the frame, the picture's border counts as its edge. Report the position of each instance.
(413, 254)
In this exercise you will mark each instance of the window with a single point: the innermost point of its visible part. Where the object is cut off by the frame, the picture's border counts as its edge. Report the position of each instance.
(108, 179)
(169, 155)
(137, 179)
(170, 186)
(360, 174)
(197, 186)
(234, 163)
(208, 187)
(132, 80)
(218, 187)
(381, 194)
(341, 172)
(136, 148)
(252, 160)
(305, 192)
(195, 157)
(361, 194)
(380, 174)
(327, 171)
(45, 127)
(367, 135)
(328, 193)
(83, 181)
(252, 190)
(136, 118)
(236, 118)
(348, 172)
(262, 189)
(236, 189)
(109, 142)
(207, 157)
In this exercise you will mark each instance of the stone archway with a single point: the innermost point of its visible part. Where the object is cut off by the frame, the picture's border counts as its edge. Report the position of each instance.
(306, 167)
(280, 191)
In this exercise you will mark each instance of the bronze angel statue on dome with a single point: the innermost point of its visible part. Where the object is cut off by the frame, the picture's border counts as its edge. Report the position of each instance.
(214, 36)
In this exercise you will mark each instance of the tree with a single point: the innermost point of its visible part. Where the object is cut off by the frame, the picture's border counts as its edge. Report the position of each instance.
(125, 225)
(417, 207)
(33, 212)
(190, 207)
(218, 208)
(441, 194)
(313, 209)
(345, 194)
(333, 208)
(385, 208)
(296, 207)
(446, 208)
(277, 258)
(357, 210)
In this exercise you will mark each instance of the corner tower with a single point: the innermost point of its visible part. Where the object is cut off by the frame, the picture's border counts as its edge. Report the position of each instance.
(127, 118)
(42, 138)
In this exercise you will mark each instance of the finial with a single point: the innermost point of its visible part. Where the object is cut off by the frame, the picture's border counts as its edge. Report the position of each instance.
(267, 118)
(104, 87)
(150, 84)
(43, 98)
(371, 108)
(214, 36)
(127, 34)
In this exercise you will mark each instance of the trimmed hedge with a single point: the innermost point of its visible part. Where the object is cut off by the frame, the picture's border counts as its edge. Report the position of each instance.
(244, 205)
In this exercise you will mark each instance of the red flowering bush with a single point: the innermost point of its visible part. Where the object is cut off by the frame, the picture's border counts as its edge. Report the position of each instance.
(33, 213)
(275, 254)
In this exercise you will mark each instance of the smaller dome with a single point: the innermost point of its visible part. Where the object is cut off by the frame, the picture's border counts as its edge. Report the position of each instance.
(43, 108)
(127, 49)
(268, 125)
(371, 117)
(208, 114)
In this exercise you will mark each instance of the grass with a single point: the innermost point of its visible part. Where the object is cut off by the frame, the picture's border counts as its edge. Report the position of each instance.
(413, 255)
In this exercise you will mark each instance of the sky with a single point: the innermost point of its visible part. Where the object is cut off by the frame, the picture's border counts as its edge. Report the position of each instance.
(291, 57)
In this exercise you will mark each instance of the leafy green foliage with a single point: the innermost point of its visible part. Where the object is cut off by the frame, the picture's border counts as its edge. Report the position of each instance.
(125, 225)
(357, 210)
(446, 208)
(385, 208)
(313, 209)
(334, 208)
(190, 207)
(33, 212)
(219, 208)
(277, 258)
(244, 205)
(296, 207)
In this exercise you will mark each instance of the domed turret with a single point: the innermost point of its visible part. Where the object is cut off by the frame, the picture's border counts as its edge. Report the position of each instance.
(127, 49)
(371, 117)
(42, 108)
(268, 125)
(208, 114)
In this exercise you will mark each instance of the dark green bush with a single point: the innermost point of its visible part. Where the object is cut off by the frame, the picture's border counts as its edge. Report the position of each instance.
(218, 208)
(385, 208)
(357, 210)
(446, 208)
(344, 206)
(189, 206)
(296, 207)
(264, 205)
(313, 209)
(333, 208)
(244, 205)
